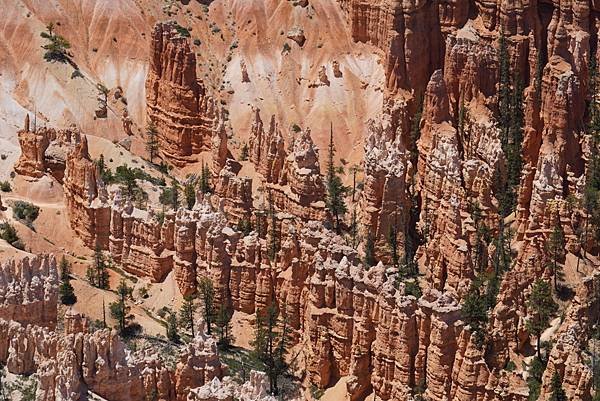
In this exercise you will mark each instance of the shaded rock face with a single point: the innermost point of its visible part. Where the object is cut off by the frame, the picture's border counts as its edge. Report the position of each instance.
(177, 103)
(29, 291)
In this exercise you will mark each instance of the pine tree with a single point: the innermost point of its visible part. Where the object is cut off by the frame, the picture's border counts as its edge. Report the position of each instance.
(370, 251)
(175, 194)
(354, 229)
(392, 239)
(481, 239)
(502, 256)
(557, 392)
(57, 48)
(474, 310)
(152, 145)
(335, 189)
(274, 236)
(189, 191)
(207, 292)
(409, 266)
(97, 274)
(205, 179)
(119, 310)
(223, 327)
(187, 312)
(245, 226)
(172, 332)
(270, 345)
(541, 308)
(534, 379)
(504, 90)
(245, 153)
(102, 100)
(511, 121)
(66, 291)
(555, 246)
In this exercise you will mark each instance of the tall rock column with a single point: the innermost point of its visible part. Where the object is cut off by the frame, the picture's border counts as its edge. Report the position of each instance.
(184, 114)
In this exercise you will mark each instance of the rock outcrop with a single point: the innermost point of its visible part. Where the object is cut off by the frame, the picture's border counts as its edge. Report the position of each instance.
(29, 291)
(292, 178)
(186, 117)
(44, 150)
(86, 197)
(70, 366)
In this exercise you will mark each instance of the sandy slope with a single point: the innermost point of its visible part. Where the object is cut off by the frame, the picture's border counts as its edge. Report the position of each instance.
(110, 41)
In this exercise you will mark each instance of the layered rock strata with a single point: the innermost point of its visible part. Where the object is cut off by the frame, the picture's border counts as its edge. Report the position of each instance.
(177, 103)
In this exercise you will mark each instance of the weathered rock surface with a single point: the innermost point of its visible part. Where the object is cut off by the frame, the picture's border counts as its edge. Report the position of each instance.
(185, 115)
(29, 291)
(86, 197)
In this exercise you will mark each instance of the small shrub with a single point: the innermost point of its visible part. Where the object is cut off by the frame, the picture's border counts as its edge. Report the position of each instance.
(296, 128)
(143, 292)
(412, 288)
(182, 31)
(510, 366)
(5, 186)
(25, 211)
(197, 42)
(286, 48)
(3, 156)
(76, 74)
(9, 234)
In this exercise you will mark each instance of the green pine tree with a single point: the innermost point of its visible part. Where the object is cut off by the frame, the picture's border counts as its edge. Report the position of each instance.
(557, 392)
(335, 189)
(205, 178)
(152, 145)
(172, 331)
(392, 239)
(223, 327)
(245, 153)
(274, 234)
(65, 290)
(270, 345)
(207, 293)
(119, 310)
(354, 229)
(187, 313)
(97, 273)
(57, 47)
(511, 121)
(474, 311)
(555, 246)
(370, 259)
(189, 192)
(541, 308)
(175, 194)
